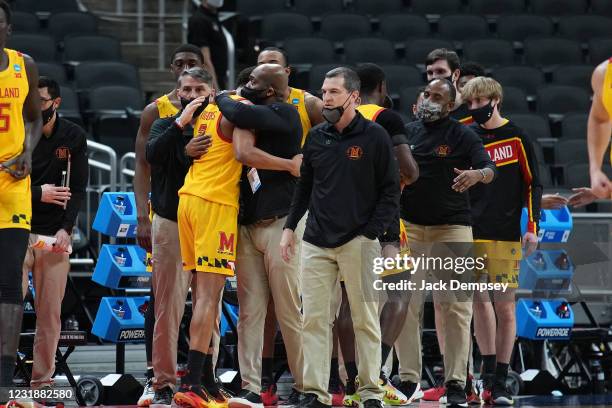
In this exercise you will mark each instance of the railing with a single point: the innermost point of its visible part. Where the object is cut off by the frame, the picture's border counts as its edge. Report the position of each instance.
(126, 171)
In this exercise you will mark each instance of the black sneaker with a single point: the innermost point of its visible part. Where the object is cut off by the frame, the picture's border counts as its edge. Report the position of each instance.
(372, 403)
(351, 388)
(226, 393)
(411, 390)
(163, 396)
(500, 394)
(246, 399)
(455, 395)
(294, 398)
(312, 401)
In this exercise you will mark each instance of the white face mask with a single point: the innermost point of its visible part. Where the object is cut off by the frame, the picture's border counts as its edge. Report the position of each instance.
(215, 3)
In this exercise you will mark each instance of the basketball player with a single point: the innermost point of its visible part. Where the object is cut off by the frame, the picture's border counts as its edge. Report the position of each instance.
(184, 57)
(598, 136)
(20, 130)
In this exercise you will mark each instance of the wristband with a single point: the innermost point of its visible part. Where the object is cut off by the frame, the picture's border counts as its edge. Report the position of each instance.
(178, 124)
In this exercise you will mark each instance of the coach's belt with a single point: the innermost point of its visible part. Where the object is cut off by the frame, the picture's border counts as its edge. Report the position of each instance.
(268, 221)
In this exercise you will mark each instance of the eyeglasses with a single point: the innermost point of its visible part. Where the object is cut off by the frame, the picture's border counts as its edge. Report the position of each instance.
(43, 100)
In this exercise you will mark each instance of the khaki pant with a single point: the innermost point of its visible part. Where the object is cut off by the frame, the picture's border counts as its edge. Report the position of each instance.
(458, 314)
(170, 285)
(261, 272)
(321, 270)
(50, 272)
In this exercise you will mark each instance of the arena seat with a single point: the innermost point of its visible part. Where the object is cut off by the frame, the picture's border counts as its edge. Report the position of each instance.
(310, 50)
(574, 126)
(399, 27)
(573, 75)
(53, 70)
(400, 77)
(529, 79)
(436, 6)
(378, 7)
(91, 48)
(461, 27)
(536, 126)
(558, 7)
(274, 27)
(600, 49)
(545, 176)
(253, 10)
(317, 8)
(54, 6)
(24, 22)
(408, 97)
(417, 49)
(91, 74)
(518, 27)
(316, 76)
(41, 47)
(547, 52)
(488, 7)
(69, 108)
(561, 99)
(65, 23)
(571, 151)
(490, 52)
(338, 27)
(585, 27)
(515, 100)
(601, 7)
(369, 49)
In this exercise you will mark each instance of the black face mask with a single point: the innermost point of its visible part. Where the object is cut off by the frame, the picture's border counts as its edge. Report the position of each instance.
(199, 109)
(256, 96)
(483, 114)
(333, 115)
(47, 114)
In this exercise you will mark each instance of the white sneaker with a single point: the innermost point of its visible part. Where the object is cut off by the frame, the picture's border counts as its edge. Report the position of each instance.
(147, 395)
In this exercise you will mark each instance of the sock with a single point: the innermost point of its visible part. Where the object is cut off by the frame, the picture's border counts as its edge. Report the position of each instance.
(488, 363)
(501, 372)
(195, 363)
(150, 372)
(7, 368)
(208, 374)
(267, 370)
(351, 372)
(386, 349)
(334, 374)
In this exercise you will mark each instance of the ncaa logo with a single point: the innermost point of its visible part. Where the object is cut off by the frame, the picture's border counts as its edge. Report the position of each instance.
(17, 68)
(295, 101)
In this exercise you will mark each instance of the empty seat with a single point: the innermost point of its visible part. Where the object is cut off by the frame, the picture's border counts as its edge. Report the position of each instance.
(317, 75)
(401, 76)
(399, 27)
(545, 175)
(489, 52)
(338, 27)
(576, 175)
(36, 6)
(601, 7)
(514, 100)
(460, 27)
(583, 28)
(536, 126)
(497, 6)
(537, 150)
(571, 151)
(376, 50)
(41, 47)
(254, 9)
(317, 7)
(24, 22)
(274, 27)
(408, 97)
(378, 7)
(558, 7)
(310, 50)
(600, 49)
(560, 99)
(92, 48)
(436, 6)
(93, 74)
(527, 78)
(552, 51)
(52, 70)
(518, 27)
(115, 98)
(574, 126)
(69, 108)
(62, 24)
(417, 49)
(574, 75)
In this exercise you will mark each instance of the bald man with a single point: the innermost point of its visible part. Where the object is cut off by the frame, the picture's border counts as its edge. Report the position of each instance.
(265, 200)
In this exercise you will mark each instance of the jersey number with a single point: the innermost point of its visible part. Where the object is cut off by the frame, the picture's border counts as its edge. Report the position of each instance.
(5, 117)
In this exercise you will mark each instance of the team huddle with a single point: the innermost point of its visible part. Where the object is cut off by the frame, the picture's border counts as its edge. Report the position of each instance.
(298, 196)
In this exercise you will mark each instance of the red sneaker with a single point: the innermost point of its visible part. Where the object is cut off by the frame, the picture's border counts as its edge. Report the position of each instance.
(268, 394)
(487, 397)
(336, 389)
(471, 391)
(434, 393)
